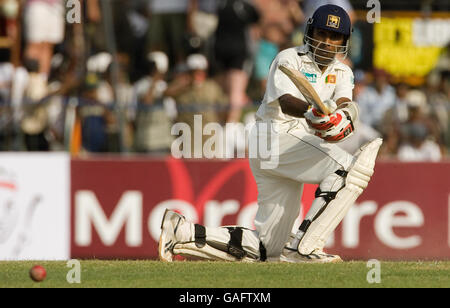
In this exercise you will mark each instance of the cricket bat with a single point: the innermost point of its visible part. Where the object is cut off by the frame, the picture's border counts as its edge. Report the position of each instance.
(305, 88)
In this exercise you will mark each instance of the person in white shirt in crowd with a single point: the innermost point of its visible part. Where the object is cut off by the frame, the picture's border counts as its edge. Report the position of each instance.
(44, 28)
(376, 99)
(418, 147)
(154, 111)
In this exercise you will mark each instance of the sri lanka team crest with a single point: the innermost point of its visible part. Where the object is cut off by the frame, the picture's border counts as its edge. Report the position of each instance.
(333, 21)
(330, 79)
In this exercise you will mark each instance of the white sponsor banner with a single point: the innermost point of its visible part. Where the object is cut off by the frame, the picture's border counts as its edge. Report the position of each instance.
(34, 206)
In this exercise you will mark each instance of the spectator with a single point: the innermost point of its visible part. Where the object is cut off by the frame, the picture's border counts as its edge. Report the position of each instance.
(438, 96)
(232, 52)
(6, 75)
(202, 23)
(44, 21)
(201, 95)
(94, 117)
(34, 116)
(360, 83)
(393, 118)
(167, 26)
(154, 111)
(273, 37)
(363, 133)
(376, 99)
(287, 14)
(417, 148)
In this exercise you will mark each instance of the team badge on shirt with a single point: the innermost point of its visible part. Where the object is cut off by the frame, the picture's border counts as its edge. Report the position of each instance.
(333, 21)
(312, 78)
(330, 79)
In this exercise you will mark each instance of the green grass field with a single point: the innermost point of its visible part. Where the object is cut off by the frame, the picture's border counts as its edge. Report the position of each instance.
(155, 274)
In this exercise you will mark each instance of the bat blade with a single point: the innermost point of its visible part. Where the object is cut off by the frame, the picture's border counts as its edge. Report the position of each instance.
(305, 88)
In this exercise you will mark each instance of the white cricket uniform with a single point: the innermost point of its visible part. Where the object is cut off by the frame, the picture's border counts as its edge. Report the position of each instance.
(303, 157)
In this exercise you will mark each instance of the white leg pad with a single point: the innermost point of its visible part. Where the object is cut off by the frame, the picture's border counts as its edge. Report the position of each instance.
(357, 180)
(206, 253)
(216, 243)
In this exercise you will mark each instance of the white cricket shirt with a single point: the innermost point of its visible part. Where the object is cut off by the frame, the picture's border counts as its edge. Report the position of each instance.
(336, 82)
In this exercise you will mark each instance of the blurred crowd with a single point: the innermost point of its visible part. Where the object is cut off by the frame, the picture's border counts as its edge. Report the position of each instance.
(94, 76)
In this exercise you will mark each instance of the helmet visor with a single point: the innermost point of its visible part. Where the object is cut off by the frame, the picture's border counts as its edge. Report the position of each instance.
(324, 53)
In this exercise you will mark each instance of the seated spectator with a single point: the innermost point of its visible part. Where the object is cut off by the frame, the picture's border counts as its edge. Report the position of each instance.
(376, 99)
(438, 95)
(417, 147)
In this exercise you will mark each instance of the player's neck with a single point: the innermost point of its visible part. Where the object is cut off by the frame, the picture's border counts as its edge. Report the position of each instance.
(322, 68)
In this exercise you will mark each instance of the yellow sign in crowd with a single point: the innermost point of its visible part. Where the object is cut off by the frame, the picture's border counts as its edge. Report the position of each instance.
(409, 46)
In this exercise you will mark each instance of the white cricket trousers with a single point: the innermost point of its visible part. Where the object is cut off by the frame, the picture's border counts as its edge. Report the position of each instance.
(303, 158)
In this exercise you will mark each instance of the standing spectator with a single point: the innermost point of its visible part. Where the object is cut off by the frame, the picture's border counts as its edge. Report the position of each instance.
(154, 117)
(287, 14)
(167, 28)
(44, 28)
(202, 23)
(232, 51)
(273, 37)
(376, 99)
(6, 76)
(33, 115)
(94, 117)
(201, 96)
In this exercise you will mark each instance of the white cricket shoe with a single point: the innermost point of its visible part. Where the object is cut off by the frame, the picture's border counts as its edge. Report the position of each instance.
(169, 225)
(317, 256)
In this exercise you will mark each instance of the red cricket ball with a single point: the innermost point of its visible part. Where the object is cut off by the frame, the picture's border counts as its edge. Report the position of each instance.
(38, 273)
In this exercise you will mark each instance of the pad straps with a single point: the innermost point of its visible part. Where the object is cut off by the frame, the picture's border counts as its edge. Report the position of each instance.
(200, 236)
(262, 252)
(234, 247)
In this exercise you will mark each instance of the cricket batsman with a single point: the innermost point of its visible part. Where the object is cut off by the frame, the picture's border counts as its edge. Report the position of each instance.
(307, 153)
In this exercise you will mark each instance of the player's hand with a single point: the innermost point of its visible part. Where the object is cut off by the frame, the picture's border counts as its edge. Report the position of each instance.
(331, 105)
(318, 121)
(332, 128)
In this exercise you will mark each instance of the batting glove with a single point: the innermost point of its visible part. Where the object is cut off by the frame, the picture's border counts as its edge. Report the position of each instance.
(331, 105)
(342, 127)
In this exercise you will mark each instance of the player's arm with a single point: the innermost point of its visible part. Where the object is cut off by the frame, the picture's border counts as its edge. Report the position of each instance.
(293, 106)
(342, 100)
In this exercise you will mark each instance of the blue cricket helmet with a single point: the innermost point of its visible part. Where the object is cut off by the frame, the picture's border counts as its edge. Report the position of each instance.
(333, 18)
